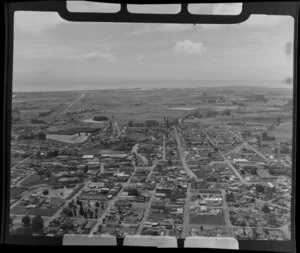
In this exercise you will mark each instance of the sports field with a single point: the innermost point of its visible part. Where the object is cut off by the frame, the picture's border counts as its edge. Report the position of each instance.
(72, 139)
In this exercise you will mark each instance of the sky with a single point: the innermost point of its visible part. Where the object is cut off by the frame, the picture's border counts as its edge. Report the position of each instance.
(53, 54)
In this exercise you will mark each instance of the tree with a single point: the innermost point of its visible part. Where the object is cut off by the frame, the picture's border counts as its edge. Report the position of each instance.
(26, 221)
(273, 221)
(278, 120)
(100, 118)
(37, 223)
(45, 192)
(173, 198)
(67, 225)
(81, 211)
(134, 192)
(226, 112)
(97, 204)
(85, 169)
(67, 212)
(85, 215)
(42, 135)
(265, 208)
(41, 172)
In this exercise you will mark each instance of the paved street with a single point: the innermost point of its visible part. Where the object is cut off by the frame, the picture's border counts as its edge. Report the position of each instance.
(140, 156)
(186, 213)
(146, 213)
(21, 162)
(247, 144)
(164, 147)
(18, 184)
(225, 159)
(59, 211)
(116, 125)
(111, 204)
(226, 214)
(71, 104)
(182, 157)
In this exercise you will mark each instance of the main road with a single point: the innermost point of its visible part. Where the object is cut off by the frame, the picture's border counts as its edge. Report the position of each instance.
(182, 157)
(226, 214)
(225, 159)
(143, 158)
(59, 211)
(111, 204)
(246, 143)
(186, 213)
(23, 161)
(116, 125)
(146, 213)
(73, 102)
(164, 147)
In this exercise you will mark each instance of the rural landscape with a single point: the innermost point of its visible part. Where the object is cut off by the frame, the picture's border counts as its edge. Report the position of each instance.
(205, 161)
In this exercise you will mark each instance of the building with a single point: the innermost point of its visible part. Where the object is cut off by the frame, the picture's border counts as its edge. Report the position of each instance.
(240, 161)
(88, 156)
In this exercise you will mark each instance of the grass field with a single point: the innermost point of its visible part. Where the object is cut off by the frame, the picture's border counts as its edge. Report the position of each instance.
(283, 130)
(18, 209)
(207, 219)
(57, 193)
(94, 121)
(36, 179)
(72, 139)
(14, 192)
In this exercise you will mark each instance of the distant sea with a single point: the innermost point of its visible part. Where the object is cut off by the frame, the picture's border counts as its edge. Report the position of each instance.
(146, 84)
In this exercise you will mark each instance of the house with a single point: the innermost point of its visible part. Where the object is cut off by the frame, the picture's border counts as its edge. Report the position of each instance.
(240, 161)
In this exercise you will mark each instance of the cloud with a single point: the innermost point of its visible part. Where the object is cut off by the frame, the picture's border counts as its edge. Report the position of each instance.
(151, 55)
(155, 8)
(188, 47)
(84, 6)
(174, 27)
(94, 55)
(40, 51)
(226, 9)
(59, 52)
(170, 28)
(143, 30)
(259, 21)
(216, 9)
(37, 21)
(202, 27)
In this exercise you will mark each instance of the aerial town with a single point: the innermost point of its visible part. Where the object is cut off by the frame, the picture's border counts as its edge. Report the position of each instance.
(213, 162)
